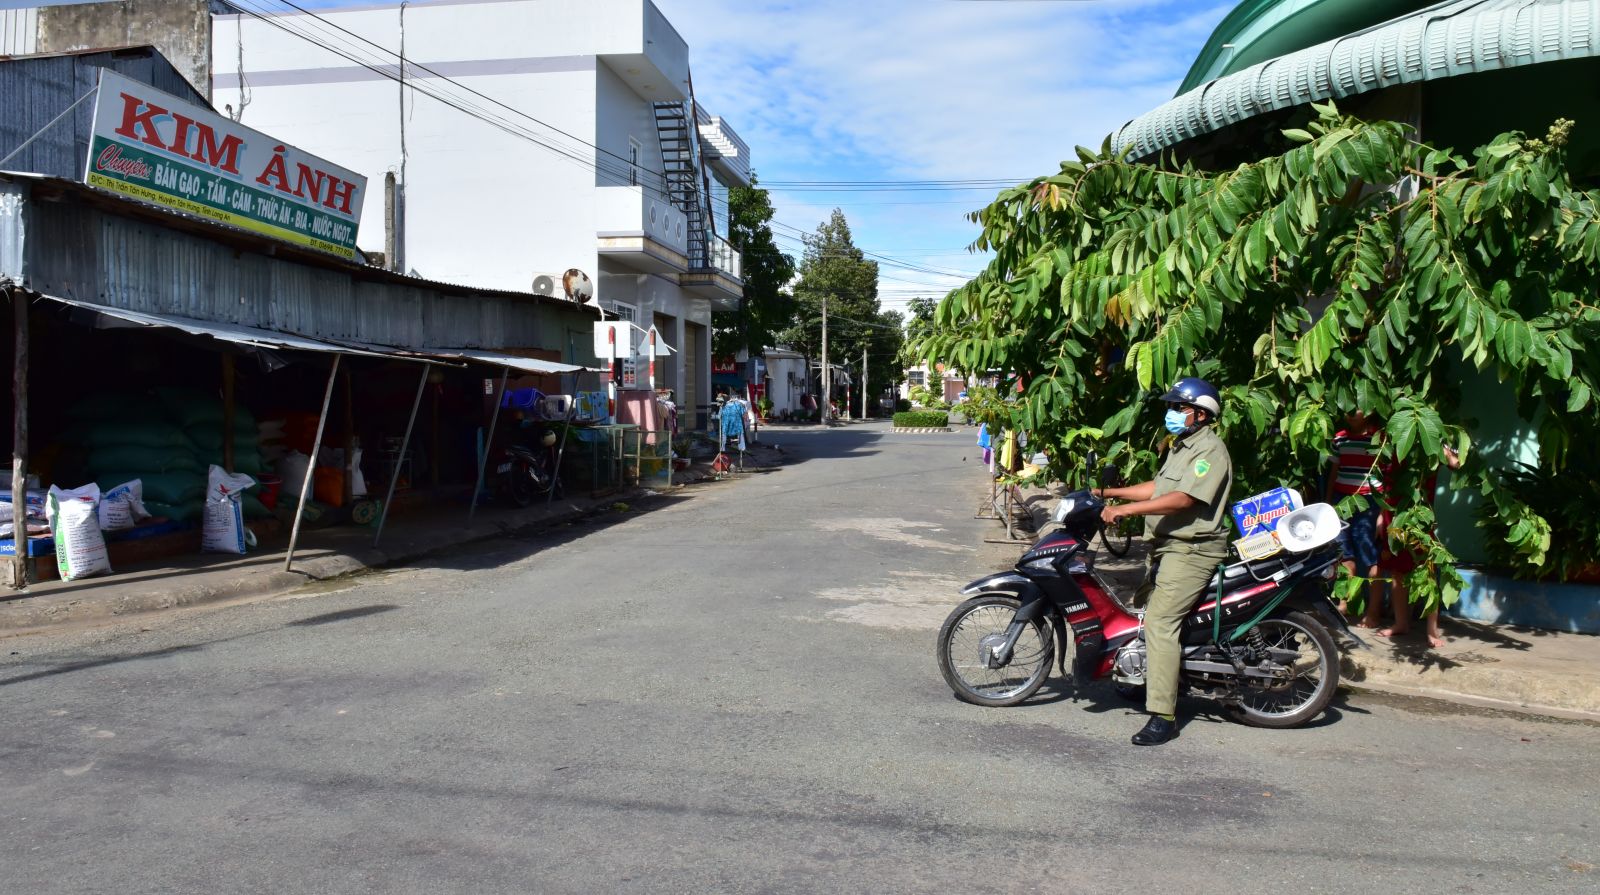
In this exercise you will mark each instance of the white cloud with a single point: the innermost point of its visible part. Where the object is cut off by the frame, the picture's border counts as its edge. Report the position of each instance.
(923, 89)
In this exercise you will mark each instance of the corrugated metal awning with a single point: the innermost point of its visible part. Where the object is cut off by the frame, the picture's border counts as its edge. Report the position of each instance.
(250, 336)
(482, 356)
(501, 359)
(1448, 39)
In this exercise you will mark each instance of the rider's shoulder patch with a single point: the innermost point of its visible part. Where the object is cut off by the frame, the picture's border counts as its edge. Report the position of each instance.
(1201, 467)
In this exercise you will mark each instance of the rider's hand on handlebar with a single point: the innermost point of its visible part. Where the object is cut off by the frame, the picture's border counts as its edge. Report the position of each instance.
(1111, 514)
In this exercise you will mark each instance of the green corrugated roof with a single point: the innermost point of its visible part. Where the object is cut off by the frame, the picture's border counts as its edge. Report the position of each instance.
(1442, 41)
(1258, 30)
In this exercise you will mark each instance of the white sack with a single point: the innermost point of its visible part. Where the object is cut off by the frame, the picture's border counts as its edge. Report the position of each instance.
(358, 482)
(293, 471)
(123, 506)
(80, 548)
(222, 528)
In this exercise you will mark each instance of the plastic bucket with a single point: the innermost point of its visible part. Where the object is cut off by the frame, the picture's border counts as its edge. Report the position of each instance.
(270, 486)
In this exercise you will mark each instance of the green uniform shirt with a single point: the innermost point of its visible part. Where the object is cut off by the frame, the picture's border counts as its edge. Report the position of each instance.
(1199, 466)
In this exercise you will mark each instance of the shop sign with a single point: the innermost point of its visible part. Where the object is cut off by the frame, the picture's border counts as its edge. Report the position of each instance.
(724, 365)
(155, 148)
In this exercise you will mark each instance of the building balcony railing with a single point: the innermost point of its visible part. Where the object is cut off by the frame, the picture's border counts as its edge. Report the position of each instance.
(726, 259)
(722, 281)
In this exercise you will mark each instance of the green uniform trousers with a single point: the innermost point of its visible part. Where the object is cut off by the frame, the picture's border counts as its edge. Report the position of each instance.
(1177, 574)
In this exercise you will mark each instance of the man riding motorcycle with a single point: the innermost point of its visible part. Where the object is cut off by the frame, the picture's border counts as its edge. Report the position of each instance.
(1187, 525)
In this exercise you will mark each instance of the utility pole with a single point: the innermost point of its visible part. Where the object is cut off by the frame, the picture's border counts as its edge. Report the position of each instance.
(827, 380)
(866, 395)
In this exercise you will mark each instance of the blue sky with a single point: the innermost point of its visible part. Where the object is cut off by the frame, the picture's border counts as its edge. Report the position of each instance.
(855, 90)
(928, 90)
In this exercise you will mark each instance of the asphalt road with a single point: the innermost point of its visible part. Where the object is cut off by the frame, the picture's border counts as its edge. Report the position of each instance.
(729, 692)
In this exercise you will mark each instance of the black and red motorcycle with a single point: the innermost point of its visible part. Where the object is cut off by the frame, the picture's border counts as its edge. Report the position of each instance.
(1259, 640)
(525, 474)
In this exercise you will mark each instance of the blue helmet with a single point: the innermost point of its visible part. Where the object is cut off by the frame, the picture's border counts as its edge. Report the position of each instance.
(1197, 392)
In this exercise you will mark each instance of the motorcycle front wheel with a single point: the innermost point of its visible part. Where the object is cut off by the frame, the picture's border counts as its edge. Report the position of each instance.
(968, 635)
(521, 486)
(1302, 650)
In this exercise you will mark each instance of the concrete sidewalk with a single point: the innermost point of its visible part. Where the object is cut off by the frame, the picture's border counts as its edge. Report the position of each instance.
(322, 554)
(1543, 672)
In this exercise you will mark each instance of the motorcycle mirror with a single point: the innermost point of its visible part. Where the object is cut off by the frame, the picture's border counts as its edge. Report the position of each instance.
(1093, 460)
(1110, 477)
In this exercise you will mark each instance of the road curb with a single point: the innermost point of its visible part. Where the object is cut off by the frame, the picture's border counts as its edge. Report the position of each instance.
(1486, 686)
(920, 430)
(33, 615)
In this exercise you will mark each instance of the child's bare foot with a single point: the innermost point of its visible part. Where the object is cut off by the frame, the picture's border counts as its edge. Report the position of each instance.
(1435, 641)
(1394, 631)
(1369, 622)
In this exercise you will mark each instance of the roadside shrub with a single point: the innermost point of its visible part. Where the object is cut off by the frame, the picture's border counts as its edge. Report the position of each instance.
(921, 419)
(902, 405)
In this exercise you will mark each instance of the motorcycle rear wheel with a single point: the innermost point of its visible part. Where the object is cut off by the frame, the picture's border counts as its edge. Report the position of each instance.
(962, 641)
(1314, 659)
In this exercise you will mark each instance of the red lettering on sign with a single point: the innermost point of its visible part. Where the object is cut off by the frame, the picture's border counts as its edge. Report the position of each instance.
(206, 150)
(307, 173)
(139, 124)
(340, 192)
(274, 175)
(111, 160)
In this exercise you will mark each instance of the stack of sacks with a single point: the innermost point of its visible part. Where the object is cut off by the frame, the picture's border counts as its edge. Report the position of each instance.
(131, 437)
(34, 511)
(201, 415)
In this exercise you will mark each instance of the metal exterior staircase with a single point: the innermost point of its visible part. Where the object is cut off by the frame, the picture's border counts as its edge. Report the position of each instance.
(683, 171)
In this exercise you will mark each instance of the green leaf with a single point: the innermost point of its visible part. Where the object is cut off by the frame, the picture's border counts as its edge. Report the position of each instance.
(1578, 397)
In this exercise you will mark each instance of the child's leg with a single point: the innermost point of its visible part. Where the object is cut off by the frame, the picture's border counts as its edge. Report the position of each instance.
(1373, 617)
(1435, 639)
(1402, 610)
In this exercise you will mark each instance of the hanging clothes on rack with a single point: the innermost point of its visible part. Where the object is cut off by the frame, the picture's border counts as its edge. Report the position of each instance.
(985, 443)
(732, 423)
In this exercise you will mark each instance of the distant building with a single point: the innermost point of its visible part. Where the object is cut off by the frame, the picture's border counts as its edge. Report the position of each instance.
(532, 137)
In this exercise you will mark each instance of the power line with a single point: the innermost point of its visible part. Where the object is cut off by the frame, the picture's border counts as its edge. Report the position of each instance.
(473, 110)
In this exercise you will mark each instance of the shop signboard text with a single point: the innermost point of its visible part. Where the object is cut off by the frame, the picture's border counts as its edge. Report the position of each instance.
(156, 148)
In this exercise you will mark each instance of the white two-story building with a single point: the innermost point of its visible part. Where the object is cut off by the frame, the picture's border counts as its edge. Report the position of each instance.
(526, 137)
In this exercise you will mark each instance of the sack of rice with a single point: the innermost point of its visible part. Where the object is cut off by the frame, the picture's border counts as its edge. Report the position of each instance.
(222, 529)
(123, 506)
(80, 548)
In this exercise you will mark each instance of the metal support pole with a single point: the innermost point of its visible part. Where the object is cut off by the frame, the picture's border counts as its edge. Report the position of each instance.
(488, 438)
(19, 443)
(228, 414)
(405, 443)
(561, 452)
(311, 467)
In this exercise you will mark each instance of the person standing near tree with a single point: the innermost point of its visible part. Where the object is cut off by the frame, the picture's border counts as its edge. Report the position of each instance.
(1186, 510)
(1357, 448)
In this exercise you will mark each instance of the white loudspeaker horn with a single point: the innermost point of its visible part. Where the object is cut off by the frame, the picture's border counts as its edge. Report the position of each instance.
(1308, 528)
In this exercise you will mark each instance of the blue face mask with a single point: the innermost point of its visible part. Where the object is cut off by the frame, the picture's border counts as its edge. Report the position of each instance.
(1177, 422)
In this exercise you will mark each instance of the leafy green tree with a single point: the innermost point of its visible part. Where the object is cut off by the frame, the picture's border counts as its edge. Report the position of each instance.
(766, 308)
(832, 268)
(1359, 270)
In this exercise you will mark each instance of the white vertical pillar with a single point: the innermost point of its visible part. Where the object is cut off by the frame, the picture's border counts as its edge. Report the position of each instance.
(680, 380)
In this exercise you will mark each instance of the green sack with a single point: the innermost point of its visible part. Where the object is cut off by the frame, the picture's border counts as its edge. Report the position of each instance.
(161, 487)
(116, 407)
(182, 512)
(146, 459)
(254, 508)
(141, 433)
